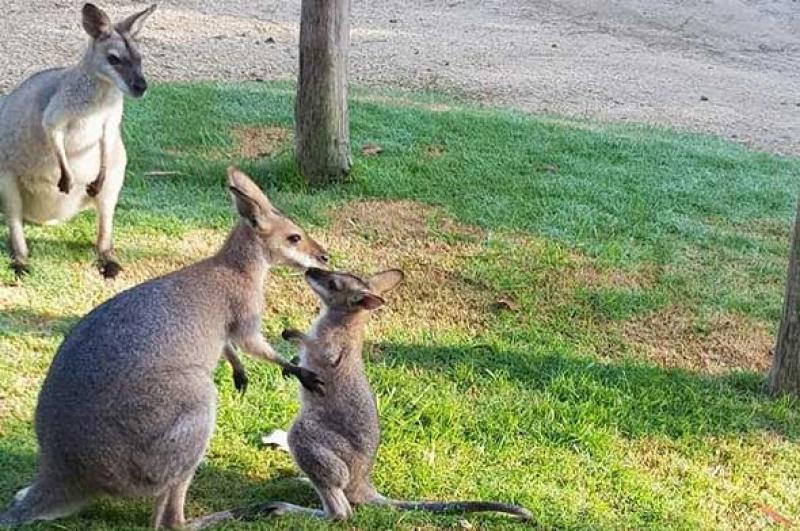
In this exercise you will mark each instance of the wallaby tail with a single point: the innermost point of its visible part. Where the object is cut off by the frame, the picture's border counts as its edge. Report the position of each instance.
(461, 507)
(38, 503)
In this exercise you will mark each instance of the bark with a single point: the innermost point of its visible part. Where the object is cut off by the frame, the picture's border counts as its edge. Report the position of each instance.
(322, 139)
(784, 377)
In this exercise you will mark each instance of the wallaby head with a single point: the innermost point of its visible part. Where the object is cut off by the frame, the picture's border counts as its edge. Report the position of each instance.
(283, 242)
(112, 54)
(348, 293)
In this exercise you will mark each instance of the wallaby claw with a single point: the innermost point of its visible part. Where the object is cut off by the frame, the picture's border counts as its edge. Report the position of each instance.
(240, 381)
(94, 187)
(20, 269)
(109, 268)
(307, 378)
(64, 184)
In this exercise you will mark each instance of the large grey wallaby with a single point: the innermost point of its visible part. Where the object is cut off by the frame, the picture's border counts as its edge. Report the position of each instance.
(61, 149)
(334, 439)
(128, 405)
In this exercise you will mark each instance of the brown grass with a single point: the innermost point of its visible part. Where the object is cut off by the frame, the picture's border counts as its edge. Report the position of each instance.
(255, 142)
(674, 337)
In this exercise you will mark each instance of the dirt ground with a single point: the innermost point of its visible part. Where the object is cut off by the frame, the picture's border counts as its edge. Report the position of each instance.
(730, 67)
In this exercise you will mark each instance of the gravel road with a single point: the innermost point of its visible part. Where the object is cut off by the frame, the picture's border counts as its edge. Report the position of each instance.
(729, 67)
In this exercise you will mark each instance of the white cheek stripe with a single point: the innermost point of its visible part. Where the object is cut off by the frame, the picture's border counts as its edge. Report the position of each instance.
(299, 258)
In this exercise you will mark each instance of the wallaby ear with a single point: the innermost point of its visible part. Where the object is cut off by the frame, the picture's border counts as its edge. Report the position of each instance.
(385, 281)
(251, 203)
(369, 301)
(133, 24)
(96, 22)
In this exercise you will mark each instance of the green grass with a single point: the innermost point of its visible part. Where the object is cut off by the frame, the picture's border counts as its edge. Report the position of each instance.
(549, 402)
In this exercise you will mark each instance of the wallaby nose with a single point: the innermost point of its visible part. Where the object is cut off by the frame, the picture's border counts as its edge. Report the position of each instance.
(324, 258)
(139, 87)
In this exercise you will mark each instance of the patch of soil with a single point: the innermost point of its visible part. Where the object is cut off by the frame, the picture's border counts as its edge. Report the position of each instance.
(673, 337)
(255, 142)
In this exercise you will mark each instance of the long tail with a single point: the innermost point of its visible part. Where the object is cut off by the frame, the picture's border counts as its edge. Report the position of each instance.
(461, 507)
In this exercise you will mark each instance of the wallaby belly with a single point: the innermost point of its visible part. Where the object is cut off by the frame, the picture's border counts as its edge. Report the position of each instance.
(44, 203)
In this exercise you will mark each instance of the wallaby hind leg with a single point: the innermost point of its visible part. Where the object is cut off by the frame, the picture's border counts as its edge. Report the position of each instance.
(12, 208)
(106, 202)
(42, 502)
(168, 511)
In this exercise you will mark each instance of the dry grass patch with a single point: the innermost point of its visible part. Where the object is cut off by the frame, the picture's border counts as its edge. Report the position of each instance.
(428, 246)
(673, 337)
(254, 142)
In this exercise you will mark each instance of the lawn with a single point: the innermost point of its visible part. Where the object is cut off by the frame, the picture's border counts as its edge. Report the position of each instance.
(584, 328)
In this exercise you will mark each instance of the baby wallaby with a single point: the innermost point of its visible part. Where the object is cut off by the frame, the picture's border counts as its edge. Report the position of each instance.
(334, 439)
(61, 149)
(128, 405)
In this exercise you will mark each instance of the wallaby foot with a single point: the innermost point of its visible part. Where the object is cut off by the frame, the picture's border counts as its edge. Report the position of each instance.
(39, 502)
(168, 510)
(252, 513)
(21, 269)
(307, 378)
(109, 267)
(94, 187)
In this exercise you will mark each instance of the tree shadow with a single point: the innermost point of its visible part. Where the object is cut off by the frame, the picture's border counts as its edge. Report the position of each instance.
(635, 398)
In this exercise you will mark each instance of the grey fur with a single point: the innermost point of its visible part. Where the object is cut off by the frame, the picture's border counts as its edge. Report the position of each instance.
(334, 439)
(128, 405)
(61, 149)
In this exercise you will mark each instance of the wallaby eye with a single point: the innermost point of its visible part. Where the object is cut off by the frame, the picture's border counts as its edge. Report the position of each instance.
(333, 285)
(294, 238)
(113, 60)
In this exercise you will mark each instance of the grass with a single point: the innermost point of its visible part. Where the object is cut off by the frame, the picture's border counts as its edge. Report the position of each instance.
(583, 331)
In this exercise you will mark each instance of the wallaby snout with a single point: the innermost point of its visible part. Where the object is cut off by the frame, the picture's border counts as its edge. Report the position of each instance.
(283, 242)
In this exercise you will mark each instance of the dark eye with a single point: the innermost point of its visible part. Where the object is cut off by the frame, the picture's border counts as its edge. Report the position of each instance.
(333, 285)
(294, 238)
(113, 60)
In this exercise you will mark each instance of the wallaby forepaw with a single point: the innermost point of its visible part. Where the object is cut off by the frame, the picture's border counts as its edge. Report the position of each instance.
(310, 381)
(64, 184)
(290, 334)
(93, 188)
(110, 269)
(240, 381)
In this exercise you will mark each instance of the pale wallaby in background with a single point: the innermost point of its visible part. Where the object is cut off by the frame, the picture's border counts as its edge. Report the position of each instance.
(334, 439)
(128, 405)
(61, 148)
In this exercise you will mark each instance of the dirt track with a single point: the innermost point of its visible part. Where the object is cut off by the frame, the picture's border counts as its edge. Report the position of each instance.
(730, 67)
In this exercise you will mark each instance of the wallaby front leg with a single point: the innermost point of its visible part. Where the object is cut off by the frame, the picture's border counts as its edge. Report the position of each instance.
(57, 137)
(258, 347)
(240, 379)
(12, 200)
(93, 188)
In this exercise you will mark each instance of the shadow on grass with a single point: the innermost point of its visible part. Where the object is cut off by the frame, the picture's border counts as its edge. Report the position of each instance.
(32, 323)
(636, 399)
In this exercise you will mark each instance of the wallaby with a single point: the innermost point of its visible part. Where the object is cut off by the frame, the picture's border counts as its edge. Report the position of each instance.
(334, 439)
(61, 149)
(128, 405)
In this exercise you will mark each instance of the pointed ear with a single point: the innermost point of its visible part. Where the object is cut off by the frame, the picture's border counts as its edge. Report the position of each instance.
(385, 281)
(251, 203)
(96, 22)
(133, 24)
(369, 301)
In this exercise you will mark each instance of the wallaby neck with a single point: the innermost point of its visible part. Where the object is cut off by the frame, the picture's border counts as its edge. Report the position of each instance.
(244, 253)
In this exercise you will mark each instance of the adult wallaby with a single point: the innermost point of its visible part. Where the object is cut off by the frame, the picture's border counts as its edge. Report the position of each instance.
(128, 405)
(334, 439)
(61, 150)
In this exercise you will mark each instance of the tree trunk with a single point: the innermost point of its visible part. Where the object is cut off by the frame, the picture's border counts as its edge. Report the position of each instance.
(784, 377)
(322, 139)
